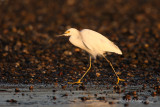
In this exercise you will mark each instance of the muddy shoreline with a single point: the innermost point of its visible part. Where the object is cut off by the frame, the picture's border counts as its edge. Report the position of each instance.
(50, 95)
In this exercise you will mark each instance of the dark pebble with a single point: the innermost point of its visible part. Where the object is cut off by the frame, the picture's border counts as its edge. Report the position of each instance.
(111, 102)
(64, 87)
(64, 95)
(84, 98)
(144, 86)
(154, 94)
(54, 98)
(146, 102)
(126, 105)
(31, 88)
(17, 90)
(95, 95)
(135, 97)
(155, 87)
(125, 84)
(54, 90)
(117, 87)
(134, 92)
(101, 98)
(158, 91)
(82, 87)
(127, 97)
(11, 101)
(3, 90)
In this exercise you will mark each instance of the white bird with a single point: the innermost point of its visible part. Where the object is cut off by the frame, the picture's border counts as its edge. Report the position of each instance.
(94, 43)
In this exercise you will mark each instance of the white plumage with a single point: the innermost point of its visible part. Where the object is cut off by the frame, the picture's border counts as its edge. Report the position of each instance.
(98, 43)
(92, 42)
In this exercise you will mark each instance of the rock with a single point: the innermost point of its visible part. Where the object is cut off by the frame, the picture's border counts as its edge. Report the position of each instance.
(54, 90)
(126, 105)
(64, 95)
(111, 102)
(11, 101)
(84, 98)
(146, 102)
(101, 98)
(82, 87)
(17, 90)
(31, 88)
(54, 98)
(127, 97)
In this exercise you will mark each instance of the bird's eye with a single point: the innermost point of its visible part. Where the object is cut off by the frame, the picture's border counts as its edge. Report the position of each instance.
(67, 32)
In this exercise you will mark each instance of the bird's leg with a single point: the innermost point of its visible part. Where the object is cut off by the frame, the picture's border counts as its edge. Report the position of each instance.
(118, 79)
(87, 69)
(79, 81)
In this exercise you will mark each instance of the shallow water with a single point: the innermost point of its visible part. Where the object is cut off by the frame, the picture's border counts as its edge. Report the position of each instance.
(44, 96)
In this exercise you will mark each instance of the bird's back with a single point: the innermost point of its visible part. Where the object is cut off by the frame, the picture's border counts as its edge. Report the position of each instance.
(97, 43)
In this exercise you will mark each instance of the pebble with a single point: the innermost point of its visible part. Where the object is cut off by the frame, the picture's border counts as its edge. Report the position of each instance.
(84, 98)
(146, 102)
(82, 87)
(126, 105)
(54, 98)
(125, 84)
(64, 95)
(11, 101)
(17, 90)
(154, 94)
(69, 53)
(98, 74)
(144, 86)
(95, 95)
(54, 90)
(101, 98)
(127, 97)
(31, 88)
(64, 87)
(135, 97)
(77, 50)
(111, 102)
(134, 92)
(117, 87)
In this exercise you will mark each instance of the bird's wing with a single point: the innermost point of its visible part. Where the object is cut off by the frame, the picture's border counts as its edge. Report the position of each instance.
(96, 41)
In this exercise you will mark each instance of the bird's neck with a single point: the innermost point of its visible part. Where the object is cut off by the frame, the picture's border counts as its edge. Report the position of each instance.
(76, 40)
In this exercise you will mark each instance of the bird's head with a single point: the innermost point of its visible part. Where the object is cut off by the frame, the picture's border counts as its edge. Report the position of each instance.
(70, 32)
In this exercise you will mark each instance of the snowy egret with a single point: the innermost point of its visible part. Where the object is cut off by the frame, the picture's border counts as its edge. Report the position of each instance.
(94, 43)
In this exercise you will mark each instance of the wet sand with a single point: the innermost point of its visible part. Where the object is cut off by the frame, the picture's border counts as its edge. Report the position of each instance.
(73, 96)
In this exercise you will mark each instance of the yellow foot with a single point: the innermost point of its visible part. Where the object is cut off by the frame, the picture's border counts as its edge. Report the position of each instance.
(78, 82)
(118, 79)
